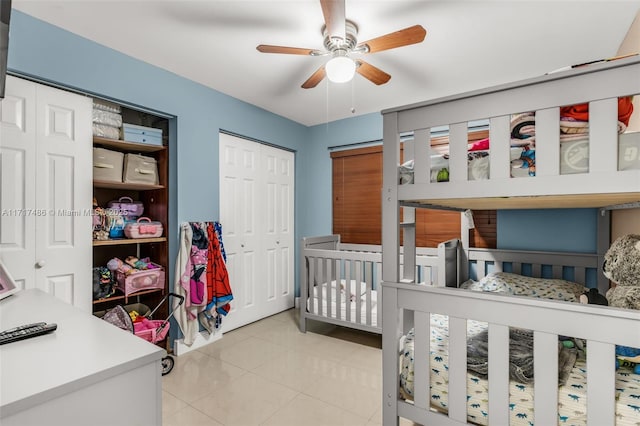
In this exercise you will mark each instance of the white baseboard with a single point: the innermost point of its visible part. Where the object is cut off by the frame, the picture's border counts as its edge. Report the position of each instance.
(202, 339)
(296, 302)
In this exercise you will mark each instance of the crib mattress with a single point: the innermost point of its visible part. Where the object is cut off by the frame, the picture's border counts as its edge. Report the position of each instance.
(340, 311)
(571, 396)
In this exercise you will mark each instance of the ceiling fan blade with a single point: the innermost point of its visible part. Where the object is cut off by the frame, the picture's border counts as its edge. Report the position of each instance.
(334, 17)
(315, 78)
(265, 48)
(374, 74)
(411, 35)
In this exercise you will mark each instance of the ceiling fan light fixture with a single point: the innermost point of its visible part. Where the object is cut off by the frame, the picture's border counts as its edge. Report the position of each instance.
(340, 69)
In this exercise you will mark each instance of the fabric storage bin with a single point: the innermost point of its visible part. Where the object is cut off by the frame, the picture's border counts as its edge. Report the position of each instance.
(140, 169)
(574, 157)
(128, 208)
(141, 134)
(629, 151)
(142, 280)
(143, 228)
(107, 165)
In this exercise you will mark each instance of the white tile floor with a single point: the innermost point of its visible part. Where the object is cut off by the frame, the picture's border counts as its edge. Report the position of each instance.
(269, 373)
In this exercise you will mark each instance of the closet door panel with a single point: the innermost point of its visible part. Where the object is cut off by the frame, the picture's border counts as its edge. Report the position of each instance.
(64, 192)
(279, 238)
(240, 198)
(17, 178)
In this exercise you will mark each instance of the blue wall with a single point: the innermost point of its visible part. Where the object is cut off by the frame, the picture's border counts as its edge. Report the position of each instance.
(573, 230)
(51, 54)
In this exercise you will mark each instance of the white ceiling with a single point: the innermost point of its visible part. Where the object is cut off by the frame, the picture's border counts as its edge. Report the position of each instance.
(469, 45)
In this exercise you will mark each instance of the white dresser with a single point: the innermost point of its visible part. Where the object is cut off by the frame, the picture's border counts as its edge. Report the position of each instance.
(87, 372)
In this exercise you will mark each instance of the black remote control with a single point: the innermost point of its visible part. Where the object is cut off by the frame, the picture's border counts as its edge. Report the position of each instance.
(26, 331)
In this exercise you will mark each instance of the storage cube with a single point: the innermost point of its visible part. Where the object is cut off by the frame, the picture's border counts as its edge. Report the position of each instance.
(141, 134)
(107, 165)
(140, 169)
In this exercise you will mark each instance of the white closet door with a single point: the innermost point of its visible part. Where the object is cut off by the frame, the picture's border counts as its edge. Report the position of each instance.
(278, 230)
(17, 179)
(45, 143)
(259, 247)
(64, 192)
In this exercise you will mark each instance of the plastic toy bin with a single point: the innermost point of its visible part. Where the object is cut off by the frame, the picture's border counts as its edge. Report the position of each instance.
(140, 281)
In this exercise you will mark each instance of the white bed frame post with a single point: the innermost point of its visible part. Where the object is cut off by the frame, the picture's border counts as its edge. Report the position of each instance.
(604, 241)
(391, 327)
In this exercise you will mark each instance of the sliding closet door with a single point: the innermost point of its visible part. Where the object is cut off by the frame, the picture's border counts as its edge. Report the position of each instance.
(256, 212)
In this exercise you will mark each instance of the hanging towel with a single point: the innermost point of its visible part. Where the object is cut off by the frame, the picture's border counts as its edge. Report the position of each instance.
(199, 257)
(217, 226)
(184, 316)
(217, 277)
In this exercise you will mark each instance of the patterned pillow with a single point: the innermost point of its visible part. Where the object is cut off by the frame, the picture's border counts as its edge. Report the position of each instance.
(544, 288)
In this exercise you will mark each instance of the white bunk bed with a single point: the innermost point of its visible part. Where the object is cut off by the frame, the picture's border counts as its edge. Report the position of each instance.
(340, 283)
(408, 309)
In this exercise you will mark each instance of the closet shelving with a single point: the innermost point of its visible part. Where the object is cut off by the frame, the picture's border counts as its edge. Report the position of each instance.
(156, 201)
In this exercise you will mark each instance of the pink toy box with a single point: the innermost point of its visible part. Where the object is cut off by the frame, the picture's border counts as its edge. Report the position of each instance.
(143, 280)
(143, 228)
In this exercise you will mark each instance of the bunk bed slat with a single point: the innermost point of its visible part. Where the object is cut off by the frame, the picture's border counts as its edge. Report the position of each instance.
(557, 271)
(548, 142)
(603, 124)
(457, 369)
(422, 156)
(600, 384)
(421, 358)
(498, 374)
(545, 371)
(500, 137)
(458, 142)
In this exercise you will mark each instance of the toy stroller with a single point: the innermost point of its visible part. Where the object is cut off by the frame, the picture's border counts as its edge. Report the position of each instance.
(153, 331)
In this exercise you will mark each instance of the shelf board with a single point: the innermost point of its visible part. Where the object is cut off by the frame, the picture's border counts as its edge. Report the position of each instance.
(128, 146)
(121, 241)
(123, 297)
(122, 185)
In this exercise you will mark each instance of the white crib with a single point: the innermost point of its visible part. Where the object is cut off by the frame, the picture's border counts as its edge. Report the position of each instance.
(340, 283)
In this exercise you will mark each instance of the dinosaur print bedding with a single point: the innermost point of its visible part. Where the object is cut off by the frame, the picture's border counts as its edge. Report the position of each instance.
(572, 396)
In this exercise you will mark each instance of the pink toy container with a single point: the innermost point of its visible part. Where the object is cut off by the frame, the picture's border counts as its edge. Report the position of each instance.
(139, 281)
(143, 228)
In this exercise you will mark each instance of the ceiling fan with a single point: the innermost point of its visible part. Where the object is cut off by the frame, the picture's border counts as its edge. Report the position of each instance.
(340, 42)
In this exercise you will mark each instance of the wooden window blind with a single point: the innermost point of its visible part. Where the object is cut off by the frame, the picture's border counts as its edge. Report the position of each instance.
(357, 205)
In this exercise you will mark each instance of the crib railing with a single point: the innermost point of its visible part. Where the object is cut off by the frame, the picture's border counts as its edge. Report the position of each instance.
(324, 260)
(601, 327)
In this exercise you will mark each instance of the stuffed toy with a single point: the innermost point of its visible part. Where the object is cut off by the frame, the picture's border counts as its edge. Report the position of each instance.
(622, 266)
